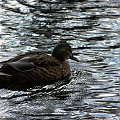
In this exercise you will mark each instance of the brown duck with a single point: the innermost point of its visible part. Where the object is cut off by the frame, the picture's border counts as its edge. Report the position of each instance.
(34, 69)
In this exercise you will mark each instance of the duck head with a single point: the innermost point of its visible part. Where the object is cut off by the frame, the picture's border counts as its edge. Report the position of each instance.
(63, 51)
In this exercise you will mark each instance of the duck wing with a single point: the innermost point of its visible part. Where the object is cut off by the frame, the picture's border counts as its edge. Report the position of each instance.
(17, 66)
(27, 62)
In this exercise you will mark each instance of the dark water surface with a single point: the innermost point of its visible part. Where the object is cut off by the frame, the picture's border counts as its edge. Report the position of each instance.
(92, 27)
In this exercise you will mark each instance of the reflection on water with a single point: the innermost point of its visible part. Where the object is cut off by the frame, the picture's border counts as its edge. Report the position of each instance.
(93, 29)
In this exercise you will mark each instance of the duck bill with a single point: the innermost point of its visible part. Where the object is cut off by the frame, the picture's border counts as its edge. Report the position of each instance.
(74, 58)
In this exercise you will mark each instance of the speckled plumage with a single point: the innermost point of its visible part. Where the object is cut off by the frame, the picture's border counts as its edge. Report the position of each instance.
(33, 69)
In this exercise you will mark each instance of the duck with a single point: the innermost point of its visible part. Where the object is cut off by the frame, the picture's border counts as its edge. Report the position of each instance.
(35, 68)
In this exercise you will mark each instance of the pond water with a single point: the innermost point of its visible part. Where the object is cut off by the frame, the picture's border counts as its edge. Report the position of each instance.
(92, 27)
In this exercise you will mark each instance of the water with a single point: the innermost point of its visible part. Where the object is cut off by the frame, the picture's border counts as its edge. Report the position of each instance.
(92, 27)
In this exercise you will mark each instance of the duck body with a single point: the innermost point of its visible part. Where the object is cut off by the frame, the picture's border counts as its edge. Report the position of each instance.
(34, 69)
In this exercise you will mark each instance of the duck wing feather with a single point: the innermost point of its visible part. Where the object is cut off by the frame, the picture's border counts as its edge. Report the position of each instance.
(28, 61)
